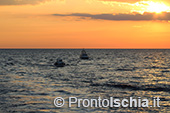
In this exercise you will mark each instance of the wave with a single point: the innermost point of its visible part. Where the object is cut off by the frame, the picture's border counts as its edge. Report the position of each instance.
(133, 87)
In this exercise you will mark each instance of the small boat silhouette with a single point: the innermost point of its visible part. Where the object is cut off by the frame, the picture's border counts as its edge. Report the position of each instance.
(59, 63)
(84, 55)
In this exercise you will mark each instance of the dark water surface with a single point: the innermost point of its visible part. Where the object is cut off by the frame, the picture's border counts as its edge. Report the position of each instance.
(29, 82)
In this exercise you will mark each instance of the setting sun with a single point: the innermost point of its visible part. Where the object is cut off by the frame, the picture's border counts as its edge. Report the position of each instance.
(157, 7)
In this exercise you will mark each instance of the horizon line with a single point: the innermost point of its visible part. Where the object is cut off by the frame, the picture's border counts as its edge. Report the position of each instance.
(83, 48)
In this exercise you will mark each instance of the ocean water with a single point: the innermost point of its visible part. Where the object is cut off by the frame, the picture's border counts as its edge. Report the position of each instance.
(29, 82)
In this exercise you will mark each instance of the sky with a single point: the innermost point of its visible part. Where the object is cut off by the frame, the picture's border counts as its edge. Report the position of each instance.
(114, 24)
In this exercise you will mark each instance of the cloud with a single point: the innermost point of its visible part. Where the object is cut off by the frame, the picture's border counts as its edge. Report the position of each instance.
(133, 1)
(128, 1)
(120, 17)
(21, 2)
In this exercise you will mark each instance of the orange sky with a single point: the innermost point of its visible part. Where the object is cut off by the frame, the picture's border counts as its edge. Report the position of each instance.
(84, 24)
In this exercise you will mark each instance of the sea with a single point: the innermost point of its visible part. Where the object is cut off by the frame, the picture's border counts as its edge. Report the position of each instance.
(29, 81)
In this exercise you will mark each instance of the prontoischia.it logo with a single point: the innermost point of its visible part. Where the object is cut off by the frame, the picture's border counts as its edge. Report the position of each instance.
(111, 102)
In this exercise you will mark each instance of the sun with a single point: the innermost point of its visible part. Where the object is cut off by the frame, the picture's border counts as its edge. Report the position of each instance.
(157, 7)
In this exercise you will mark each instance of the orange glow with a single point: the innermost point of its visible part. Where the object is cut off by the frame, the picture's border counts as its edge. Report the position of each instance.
(157, 7)
(35, 26)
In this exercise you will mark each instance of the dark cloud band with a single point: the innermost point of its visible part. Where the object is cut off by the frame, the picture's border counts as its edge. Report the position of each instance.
(21, 2)
(121, 17)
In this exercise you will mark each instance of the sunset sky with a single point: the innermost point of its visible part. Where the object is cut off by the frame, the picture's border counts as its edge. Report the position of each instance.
(84, 24)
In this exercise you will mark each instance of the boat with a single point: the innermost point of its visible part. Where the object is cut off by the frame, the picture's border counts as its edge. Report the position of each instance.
(84, 55)
(59, 63)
